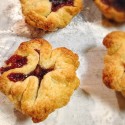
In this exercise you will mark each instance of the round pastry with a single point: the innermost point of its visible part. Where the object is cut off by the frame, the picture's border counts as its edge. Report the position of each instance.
(39, 80)
(50, 15)
(112, 9)
(114, 69)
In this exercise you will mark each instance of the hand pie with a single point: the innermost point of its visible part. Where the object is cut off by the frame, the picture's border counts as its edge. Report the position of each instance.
(112, 9)
(114, 70)
(39, 80)
(50, 15)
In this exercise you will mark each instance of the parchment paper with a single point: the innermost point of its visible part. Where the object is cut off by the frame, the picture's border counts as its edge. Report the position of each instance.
(92, 103)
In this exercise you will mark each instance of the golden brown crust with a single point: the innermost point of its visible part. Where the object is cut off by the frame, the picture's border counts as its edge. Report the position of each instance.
(56, 87)
(38, 14)
(113, 73)
(110, 12)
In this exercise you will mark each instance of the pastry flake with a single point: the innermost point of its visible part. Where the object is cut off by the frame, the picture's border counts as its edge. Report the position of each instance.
(112, 9)
(114, 61)
(39, 80)
(50, 15)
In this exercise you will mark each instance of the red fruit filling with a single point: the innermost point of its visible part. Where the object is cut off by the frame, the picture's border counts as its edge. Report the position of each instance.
(38, 72)
(56, 4)
(15, 61)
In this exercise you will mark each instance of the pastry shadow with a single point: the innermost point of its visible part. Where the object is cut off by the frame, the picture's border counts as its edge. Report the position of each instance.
(121, 101)
(92, 84)
(20, 117)
(110, 23)
(8, 112)
(20, 28)
(90, 12)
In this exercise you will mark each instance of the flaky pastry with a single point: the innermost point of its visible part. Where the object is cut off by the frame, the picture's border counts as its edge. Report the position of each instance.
(50, 15)
(39, 80)
(114, 69)
(112, 9)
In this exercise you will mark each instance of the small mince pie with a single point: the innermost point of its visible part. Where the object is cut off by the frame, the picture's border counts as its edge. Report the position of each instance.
(50, 15)
(112, 9)
(114, 69)
(39, 80)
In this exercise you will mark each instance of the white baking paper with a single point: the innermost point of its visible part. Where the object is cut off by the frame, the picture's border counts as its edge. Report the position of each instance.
(92, 103)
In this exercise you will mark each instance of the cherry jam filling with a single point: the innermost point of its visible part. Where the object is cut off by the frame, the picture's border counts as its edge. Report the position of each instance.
(38, 72)
(56, 4)
(15, 61)
(117, 4)
(16, 77)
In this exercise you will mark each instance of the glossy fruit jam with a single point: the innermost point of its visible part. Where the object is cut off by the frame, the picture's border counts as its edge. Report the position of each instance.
(15, 77)
(38, 72)
(117, 4)
(56, 4)
(15, 61)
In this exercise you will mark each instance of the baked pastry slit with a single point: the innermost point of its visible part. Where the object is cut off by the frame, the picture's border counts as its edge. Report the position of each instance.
(38, 72)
